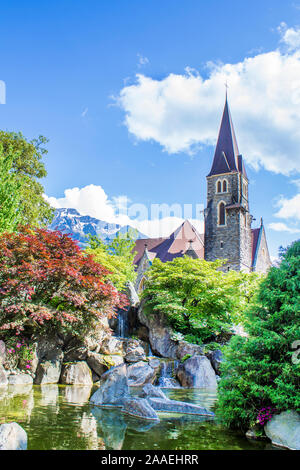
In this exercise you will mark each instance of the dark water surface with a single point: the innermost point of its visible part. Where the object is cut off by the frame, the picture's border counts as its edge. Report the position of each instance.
(60, 417)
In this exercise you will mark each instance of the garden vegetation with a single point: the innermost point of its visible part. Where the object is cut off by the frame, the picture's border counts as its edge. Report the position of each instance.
(261, 373)
(201, 302)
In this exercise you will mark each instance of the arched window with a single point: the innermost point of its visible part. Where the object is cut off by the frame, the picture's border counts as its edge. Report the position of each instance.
(142, 285)
(219, 187)
(224, 186)
(221, 214)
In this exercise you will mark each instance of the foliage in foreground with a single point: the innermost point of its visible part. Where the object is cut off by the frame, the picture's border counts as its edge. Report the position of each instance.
(262, 372)
(47, 283)
(27, 169)
(198, 299)
(116, 256)
(10, 197)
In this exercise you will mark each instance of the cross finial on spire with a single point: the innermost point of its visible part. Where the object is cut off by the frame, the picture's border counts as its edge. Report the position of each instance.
(226, 86)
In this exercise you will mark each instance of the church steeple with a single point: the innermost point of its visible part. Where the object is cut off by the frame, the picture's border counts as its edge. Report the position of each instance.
(227, 219)
(227, 158)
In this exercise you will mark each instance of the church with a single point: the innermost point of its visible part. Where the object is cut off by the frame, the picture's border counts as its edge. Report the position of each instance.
(227, 219)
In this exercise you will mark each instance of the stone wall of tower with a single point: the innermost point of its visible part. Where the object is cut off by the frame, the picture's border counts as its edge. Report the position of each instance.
(233, 240)
(245, 242)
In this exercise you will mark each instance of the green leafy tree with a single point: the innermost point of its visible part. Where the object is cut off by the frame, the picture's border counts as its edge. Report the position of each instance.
(197, 298)
(10, 195)
(261, 371)
(28, 168)
(116, 256)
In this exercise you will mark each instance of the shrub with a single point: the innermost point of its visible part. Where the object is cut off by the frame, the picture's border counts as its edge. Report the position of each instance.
(19, 354)
(47, 283)
(259, 373)
(117, 256)
(198, 299)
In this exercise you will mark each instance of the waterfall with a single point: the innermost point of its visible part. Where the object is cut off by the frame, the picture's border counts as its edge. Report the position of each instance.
(122, 324)
(167, 374)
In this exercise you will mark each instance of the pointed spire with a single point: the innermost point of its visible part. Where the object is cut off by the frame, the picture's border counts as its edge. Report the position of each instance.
(227, 152)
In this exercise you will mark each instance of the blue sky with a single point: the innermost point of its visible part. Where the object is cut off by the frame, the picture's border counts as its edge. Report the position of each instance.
(130, 94)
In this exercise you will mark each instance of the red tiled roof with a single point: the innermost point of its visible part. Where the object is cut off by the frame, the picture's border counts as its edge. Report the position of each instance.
(166, 249)
(139, 247)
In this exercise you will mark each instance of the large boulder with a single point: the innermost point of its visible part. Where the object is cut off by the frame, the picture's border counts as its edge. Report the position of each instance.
(75, 350)
(160, 335)
(134, 351)
(48, 372)
(150, 391)
(113, 388)
(140, 408)
(112, 345)
(188, 349)
(3, 377)
(93, 340)
(197, 372)
(154, 363)
(97, 363)
(48, 360)
(284, 430)
(174, 406)
(12, 437)
(49, 347)
(19, 379)
(160, 402)
(216, 358)
(76, 373)
(140, 373)
(100, 363)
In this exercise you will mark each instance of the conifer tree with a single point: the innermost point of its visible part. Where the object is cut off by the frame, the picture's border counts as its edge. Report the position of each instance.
(262, 372)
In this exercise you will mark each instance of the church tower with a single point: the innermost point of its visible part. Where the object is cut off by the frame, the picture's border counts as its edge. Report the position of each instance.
(227, 216)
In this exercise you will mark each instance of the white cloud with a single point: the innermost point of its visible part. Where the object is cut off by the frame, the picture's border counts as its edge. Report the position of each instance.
(89, 200)
(281, 227)
(84, 112)
(182, 112)
(289, 36)
(93, 201)
(142, 60)
(289, 208)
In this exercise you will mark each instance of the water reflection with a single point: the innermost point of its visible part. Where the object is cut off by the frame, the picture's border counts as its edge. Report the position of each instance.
(78, 394)
(60, 417)
(49, 395)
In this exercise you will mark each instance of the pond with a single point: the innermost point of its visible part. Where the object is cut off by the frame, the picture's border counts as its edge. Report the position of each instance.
(60, 417)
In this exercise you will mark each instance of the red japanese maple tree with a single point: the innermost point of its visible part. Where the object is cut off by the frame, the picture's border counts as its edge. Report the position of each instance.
(48, 284)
